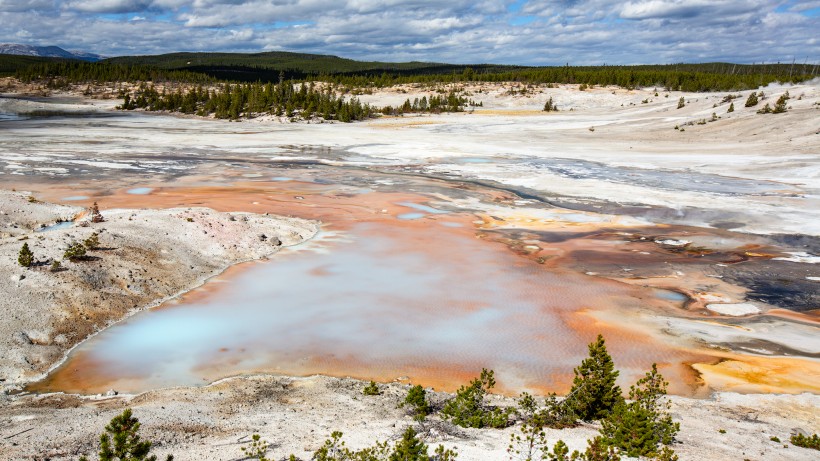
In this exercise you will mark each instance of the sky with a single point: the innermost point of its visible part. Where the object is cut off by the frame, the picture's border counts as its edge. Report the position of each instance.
(529, 32)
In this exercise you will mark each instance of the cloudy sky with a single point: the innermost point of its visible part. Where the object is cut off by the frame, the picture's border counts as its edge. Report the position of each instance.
(538, 32)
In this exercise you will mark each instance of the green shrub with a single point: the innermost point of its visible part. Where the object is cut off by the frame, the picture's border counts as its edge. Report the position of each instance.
(56, 265)
(594, 393)
(25, 257)
(75, 252)
(92, 242)
(409, 448)
(780, 105)
(765, 110)
(752, 100)
(467, 409)
(371, 389)
(681, 103)
(731, 108)
(550, 106)
(257, 449)
(641, 426)
(417, 401)
(812, 441)
(122, 433)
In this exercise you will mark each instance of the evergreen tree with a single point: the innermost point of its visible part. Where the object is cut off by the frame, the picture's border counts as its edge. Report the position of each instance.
(752, 101)
(467, 409)
(409, 448)
(75, 252)
(92, 242)
(731, 107)
(371, 389)
(120, 441)
(594, 393)
(639, 427)
(417, 401)
(681, 103)
(25, 258)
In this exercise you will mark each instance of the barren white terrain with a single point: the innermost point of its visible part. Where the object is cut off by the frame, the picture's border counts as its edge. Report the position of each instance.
(611, 170)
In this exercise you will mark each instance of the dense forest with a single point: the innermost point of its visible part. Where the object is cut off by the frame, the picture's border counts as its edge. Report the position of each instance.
(268, 67)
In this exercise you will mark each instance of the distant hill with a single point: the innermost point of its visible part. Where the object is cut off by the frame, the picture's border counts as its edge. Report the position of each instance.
(46, 52)
(266, 66)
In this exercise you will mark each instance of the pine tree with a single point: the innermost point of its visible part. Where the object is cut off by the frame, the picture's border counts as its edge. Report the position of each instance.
(122, 433)
(681, 103)
(752, 101)
(417, 401)
(25, 258)
(75, 252)
(731, 107)
(594, 393)
(640, 427)
(409, 448)
(92, 242)
(467, 409)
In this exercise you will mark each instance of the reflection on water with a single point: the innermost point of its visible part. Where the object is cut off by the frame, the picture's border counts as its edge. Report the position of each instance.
(389, 301)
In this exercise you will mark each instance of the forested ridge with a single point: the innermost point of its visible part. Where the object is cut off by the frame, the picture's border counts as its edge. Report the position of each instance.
(268, 67)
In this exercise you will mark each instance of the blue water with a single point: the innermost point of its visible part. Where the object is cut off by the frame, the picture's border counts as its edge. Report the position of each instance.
(56, 226)
(140, 191)
(420, 207)
(411, 216)
(75, 198)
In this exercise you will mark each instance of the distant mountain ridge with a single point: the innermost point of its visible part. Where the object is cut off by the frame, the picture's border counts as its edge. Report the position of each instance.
(46, 52)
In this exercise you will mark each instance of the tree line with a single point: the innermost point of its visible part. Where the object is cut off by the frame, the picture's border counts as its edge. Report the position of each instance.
(680, 77)
(287, 98)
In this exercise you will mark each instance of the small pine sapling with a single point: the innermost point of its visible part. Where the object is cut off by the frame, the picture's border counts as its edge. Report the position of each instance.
(25, 257)
(75, 252)
(417, 401)
(371, 389)
(120, 441)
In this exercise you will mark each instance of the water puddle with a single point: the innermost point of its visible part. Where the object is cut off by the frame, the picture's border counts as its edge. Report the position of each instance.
(140, 191)
(74, 198)
(56, 226)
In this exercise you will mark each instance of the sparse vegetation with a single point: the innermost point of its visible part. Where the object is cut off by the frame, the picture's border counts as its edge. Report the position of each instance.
(371, 389)
(550, 106)
(731, 108)
(92, 242)
(120, 441)
(56, 265)
(416, 399)
(408, 448)
(25, 257)
(800, 440)
(641, 426)
(468, 409)
(752, 100)
(75, 252)
(681, 103)
(257, 449)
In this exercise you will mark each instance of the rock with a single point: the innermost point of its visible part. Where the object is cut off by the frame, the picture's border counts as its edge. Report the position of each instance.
(263, 237)
(275, 241)
(111, 393)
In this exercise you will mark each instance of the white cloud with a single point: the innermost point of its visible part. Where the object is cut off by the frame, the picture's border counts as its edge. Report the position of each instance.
(462, 31)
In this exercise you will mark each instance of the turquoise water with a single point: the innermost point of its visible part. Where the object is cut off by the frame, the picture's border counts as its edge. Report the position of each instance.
(140, 191)
(388, 301)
